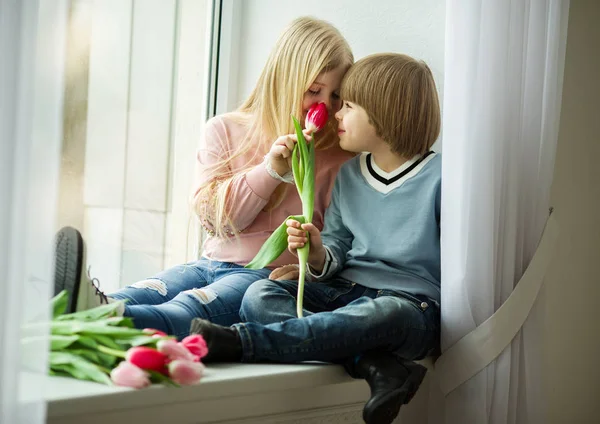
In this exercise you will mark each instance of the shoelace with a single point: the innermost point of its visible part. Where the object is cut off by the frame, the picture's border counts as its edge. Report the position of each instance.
(96, 283)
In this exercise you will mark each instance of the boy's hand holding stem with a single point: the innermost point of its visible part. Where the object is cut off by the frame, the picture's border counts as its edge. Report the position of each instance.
(298, 236)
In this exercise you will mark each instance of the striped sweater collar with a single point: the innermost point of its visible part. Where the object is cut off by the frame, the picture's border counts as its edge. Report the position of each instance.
(385, 182)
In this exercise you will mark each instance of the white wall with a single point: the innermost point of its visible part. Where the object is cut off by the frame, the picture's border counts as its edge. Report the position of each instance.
(405, 26)
(134, 115)
(572, 289)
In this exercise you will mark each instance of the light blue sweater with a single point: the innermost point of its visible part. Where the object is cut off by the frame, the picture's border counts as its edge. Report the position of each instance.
(382, 230)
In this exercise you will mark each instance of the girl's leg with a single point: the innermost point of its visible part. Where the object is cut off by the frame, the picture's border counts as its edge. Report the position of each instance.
(218, 302)
(71, 275)
(166, 285)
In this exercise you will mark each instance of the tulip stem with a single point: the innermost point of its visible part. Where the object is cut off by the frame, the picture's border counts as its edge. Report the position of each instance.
(113, 352)
(302, 262)
(106, 370)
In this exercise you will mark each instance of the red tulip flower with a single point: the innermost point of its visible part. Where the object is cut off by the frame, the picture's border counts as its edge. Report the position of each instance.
(316, 117)
(146, 358)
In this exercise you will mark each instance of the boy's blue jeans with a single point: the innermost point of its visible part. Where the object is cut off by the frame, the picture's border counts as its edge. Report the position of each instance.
(341, 320)
(203, 289)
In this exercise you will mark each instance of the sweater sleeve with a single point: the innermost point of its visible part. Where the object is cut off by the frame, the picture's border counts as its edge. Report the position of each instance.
(248, 192)
(336, 237)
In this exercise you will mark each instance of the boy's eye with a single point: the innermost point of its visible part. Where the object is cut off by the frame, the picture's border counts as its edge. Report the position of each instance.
(335, 96)
(346, 104)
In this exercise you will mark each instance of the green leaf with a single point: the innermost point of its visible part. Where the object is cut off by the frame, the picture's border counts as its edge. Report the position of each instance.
(59, 303)
(102, 327)
(302, 145)
(90, 355)
(78, 367)
(273, 247)
(85, 342)
(123, 322)
(58, 358)
(106, 341)
(67, 370)
(58, 373)
(308, 192)
(297, 171)
(97, 357)
(58, 342)
(94, 314)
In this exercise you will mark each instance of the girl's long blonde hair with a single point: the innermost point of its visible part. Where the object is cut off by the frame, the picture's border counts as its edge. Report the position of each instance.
(306, 48)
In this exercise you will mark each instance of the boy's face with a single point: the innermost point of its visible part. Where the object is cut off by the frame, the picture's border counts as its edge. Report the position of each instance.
(356, 133)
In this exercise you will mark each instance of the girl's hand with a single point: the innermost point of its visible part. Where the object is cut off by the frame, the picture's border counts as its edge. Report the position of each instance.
(286, 272)
(280, 154)
(297, 238)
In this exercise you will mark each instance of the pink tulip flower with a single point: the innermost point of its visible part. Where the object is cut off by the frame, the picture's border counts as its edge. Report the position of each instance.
(174, 350)
(196, 345)
(128, 375)
(185, 372)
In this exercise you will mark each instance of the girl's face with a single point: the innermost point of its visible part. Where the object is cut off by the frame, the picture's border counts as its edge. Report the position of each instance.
(325, 88)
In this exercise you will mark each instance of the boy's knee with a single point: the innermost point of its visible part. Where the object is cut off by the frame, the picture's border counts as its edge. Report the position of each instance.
(259, 288)
(253, 301)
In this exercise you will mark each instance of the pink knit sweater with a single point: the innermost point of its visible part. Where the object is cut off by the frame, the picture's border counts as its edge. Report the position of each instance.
(251, 191)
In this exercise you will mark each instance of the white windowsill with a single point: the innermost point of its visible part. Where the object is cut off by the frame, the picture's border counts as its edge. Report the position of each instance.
(227, 393)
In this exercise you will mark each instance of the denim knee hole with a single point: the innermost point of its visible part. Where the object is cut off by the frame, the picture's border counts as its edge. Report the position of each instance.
(205, 295)
(151, 284)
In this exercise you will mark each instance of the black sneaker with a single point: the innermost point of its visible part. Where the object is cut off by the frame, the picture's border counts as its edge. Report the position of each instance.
(70, 273)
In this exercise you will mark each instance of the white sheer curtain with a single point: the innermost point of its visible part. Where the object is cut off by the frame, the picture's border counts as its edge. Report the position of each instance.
(503, 84)
(32, 42)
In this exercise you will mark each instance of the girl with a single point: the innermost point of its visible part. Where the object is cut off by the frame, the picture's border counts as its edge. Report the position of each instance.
(243, 191)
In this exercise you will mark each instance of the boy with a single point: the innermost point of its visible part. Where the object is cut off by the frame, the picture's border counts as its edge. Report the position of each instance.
(377, 262)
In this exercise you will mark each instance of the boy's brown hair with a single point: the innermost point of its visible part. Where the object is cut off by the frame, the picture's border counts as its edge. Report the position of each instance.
(399, 95)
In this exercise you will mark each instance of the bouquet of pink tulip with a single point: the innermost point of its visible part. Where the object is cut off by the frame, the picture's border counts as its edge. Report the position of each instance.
(303, 168)
(96, 345)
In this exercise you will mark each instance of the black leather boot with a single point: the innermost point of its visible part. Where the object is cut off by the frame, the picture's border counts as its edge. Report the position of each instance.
(393, 383)
(224, 343)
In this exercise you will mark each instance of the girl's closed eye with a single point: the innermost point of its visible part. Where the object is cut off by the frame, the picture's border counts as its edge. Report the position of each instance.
(314, 92)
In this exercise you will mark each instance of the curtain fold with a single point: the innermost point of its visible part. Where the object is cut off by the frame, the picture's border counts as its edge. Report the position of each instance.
(32, 44)
(503, 83)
